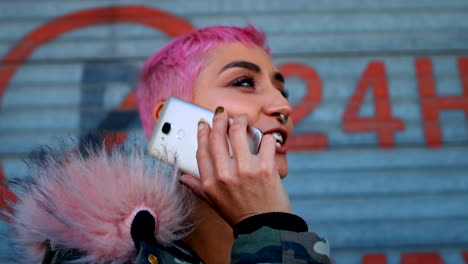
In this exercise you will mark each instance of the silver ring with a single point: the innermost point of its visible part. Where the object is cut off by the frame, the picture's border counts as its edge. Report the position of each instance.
(283, 118)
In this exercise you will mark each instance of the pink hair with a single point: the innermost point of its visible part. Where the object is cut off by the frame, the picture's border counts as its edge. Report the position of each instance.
(172, 70)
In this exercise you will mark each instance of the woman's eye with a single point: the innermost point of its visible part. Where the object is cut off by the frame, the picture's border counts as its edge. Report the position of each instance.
(244, 81)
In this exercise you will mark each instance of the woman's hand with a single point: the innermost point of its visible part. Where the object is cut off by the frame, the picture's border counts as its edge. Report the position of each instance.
(240, 186)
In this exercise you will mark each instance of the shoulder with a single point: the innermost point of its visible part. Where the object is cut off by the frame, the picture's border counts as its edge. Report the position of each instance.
(176, 253)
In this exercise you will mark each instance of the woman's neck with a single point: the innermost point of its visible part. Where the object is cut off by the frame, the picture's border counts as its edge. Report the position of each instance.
(212, 237)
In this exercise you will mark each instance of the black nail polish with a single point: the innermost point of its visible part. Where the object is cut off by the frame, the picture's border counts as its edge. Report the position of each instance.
(219, 110)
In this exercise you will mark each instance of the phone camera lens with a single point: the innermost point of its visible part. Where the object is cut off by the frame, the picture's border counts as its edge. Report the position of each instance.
(166, 128)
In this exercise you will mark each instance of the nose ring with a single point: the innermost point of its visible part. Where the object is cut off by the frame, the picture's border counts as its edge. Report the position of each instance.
(283, 118)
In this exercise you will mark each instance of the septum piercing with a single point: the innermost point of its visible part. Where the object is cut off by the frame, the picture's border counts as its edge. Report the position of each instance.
(283, 118)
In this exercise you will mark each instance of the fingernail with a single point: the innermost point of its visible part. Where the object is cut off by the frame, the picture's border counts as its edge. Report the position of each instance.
(219, 109)
(201, 124)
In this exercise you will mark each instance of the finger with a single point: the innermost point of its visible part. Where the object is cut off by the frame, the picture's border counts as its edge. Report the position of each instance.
(267, 148)
(239, 139)
(218, 137)
(204, 161)
(195, 185)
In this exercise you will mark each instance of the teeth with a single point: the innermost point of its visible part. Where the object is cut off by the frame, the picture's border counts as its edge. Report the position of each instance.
(278, 137)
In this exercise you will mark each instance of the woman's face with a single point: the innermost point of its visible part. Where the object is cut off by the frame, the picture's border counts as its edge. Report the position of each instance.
(244, 80)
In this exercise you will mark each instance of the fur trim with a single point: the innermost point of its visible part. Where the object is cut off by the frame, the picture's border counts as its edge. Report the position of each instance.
(88, 202)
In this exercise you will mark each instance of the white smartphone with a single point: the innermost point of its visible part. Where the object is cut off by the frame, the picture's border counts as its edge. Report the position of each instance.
(174, 138)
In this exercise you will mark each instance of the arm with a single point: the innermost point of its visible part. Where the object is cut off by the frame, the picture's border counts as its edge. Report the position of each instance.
(246, 190)
(277, 238)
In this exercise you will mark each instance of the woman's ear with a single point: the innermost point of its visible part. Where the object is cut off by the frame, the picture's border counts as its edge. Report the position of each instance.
(157, 109)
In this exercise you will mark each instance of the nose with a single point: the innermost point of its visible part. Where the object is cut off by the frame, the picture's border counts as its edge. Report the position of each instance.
(276, 105)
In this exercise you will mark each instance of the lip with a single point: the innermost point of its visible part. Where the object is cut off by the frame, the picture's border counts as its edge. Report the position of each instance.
(282, 150)
(284, 133)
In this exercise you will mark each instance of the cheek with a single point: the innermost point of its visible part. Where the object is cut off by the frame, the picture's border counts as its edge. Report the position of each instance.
(234, 105)
(205, 100)
(233, 101)
(236, 108)
(238, 104)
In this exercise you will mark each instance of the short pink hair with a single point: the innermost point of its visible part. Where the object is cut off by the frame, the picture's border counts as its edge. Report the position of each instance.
(172, 70)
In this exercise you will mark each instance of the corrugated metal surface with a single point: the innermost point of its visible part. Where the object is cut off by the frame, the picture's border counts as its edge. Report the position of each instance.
(367, 199)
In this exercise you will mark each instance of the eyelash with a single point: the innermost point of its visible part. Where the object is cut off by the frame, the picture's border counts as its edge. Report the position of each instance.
(251, 84)
(243, 79)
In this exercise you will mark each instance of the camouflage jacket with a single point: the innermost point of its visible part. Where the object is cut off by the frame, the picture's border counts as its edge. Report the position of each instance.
(265, 245)
(74, 200)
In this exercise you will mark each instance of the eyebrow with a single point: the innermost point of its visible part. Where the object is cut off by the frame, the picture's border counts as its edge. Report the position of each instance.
(251, 66)
(242, 64)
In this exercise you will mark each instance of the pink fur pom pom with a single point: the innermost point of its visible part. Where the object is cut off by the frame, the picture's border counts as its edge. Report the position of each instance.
(88, 203)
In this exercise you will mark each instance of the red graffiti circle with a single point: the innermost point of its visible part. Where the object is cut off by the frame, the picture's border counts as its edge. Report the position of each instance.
(167, 23)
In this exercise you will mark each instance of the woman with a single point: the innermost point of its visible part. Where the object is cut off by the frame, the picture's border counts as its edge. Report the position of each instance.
(242, 212)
